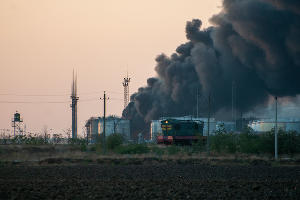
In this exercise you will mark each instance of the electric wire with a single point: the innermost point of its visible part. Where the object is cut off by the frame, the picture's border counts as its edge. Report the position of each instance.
(65, 94)
(55, 102)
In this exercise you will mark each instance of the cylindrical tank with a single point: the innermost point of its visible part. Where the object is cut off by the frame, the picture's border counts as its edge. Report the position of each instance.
(17, 117)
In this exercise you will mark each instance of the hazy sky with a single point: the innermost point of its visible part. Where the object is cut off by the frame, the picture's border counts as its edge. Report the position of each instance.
(41, 41)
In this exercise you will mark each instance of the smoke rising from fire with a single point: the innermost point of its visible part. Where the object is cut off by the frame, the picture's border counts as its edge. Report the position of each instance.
(254, 44)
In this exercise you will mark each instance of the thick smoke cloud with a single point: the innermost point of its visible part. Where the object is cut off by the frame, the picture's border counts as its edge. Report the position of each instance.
(253, 44)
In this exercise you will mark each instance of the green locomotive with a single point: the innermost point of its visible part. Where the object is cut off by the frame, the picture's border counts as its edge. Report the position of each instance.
(180, 131)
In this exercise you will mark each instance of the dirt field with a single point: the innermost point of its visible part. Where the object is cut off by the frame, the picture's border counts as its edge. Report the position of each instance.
(149, 181)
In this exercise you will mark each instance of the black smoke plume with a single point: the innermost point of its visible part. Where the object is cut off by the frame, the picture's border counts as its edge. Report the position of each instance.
(254, 44)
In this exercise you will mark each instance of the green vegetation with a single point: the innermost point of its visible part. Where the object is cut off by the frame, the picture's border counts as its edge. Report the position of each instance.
(173, 149)
(114, 141)
(251, 143)
(157, 150)
(246, 142)
(132, 149)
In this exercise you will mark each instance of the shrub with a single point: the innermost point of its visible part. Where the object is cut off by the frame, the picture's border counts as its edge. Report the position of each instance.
(132, 149)
(223, 142)
(249, 142)
(172, 150)
(196, 147)
(113, 141)
(93, 148)
(288, 142)
(266, 142)
(83, 147)
(77, 141)
(158, 151)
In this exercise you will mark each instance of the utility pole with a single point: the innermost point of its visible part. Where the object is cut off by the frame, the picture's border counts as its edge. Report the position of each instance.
(233, 103)
(74, 99)
(197, 103)
(104, 113)
(14, 125)
(276, 131)
(208, 123)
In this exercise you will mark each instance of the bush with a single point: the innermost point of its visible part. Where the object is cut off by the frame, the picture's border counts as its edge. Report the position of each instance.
(83, 147)
(196, 147)
(249, 143)
(113, 141)
(158, 151)
(224, 142)
(132, 149)
(266, 142)
(172, 150)
(288, 142)
(77, 141)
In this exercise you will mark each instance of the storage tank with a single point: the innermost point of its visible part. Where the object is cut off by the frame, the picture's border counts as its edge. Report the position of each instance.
(266, 125)
(155, 129)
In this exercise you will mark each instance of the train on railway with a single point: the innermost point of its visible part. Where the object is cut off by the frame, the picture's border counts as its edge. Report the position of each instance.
(181, 132)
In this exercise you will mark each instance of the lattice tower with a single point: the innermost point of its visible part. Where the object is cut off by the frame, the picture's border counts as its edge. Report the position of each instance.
(126, 90)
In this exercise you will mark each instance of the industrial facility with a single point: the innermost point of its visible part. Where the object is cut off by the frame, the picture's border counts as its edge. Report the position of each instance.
(264, 125)
(258, 125)
(94, 127)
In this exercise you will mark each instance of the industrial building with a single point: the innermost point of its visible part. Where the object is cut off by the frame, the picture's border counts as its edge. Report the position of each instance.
(94, 127)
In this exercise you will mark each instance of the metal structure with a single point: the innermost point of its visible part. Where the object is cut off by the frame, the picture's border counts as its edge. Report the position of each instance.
(17, 124)
(276, 131)
(180, 131)
(212, 123)
(208, 120)
(74, 99)
(126, 90)
(95, 127)
(233, 102)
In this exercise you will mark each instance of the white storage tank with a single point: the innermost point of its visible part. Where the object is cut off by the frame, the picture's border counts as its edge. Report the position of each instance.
(266, 125)
(155, 129)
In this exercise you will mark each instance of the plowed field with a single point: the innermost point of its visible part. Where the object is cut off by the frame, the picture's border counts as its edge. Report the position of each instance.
(149, 181)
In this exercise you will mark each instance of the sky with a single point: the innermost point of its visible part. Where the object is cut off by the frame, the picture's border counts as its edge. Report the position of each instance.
(42, 41)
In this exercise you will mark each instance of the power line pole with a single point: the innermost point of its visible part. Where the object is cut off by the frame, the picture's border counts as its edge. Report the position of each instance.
(208, 123)
(276, 131)
(233, 103)
(75, 99)
(104, 113)
(197, 103)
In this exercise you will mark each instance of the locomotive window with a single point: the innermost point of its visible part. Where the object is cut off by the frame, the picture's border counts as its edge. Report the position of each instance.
(177, 126)
(196, 127)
